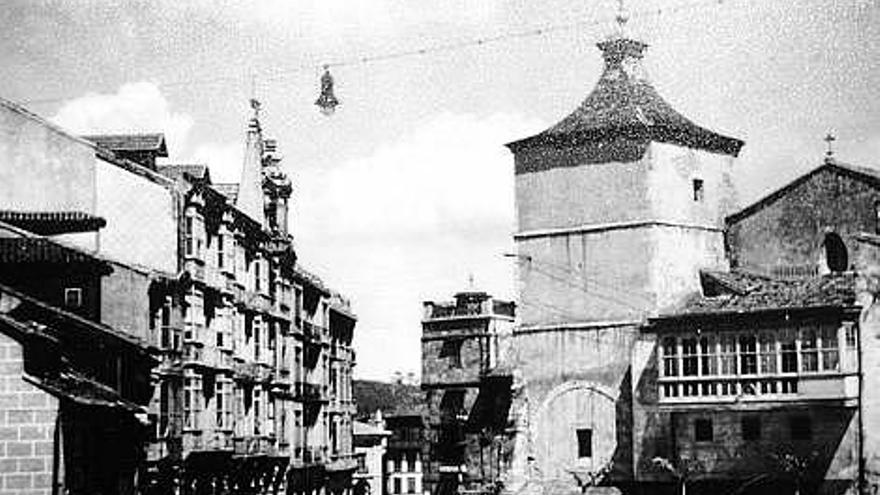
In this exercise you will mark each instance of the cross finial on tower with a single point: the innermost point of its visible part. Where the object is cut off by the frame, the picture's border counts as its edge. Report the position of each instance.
(829, 153)
(621, 18)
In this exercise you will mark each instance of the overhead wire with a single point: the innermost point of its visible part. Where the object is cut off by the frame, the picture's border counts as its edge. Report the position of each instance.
(414, 52)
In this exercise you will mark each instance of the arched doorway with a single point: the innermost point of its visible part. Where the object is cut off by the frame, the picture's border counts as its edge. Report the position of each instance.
(836, 255)
(575, 430)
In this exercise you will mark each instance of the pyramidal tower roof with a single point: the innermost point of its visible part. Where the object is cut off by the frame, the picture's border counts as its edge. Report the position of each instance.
(250, 189)
(624, 104)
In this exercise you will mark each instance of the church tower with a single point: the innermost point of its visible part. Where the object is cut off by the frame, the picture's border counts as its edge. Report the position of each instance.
(619, 206)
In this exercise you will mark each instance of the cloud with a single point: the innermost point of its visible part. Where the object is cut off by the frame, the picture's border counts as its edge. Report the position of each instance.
(452, 173)
(224, 160)
(409, 223)
(135, 107)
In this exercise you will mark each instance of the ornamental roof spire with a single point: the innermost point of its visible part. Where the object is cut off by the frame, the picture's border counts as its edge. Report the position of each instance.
(250, 187)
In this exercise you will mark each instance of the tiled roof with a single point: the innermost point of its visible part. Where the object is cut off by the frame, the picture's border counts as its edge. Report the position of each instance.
(131, 142)
(627, 105)
(196, 171)
(52, 222)
(743, 292)
(20, 250)
(84, 391)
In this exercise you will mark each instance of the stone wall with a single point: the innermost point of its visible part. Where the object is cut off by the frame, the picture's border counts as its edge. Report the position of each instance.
(27, 427)
(790, 231)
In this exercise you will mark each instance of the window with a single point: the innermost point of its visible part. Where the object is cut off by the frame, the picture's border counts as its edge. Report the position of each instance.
(396, 486)
(698, 190)
(73, 297)
(830, 354)
(410, 485)
(801, 427)
(670, 357)
(748, 357)
(751, 427)
(165, 409)
(194, 315)
(708, 356)
(452, 350)
(258, 419)
(585, 442)
(767, 347)
(850, 335)
(223, 400)
(703, 430)
(192, 401)
(835, 253)
(221, 252)
(728, 355)
(788, 348)
(193, 233)
(689, 357)
(809, 350)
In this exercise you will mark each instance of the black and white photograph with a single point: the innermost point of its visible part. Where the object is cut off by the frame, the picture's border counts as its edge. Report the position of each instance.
(440, 247)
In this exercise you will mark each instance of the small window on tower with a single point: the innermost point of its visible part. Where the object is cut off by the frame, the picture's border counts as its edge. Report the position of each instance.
(585, 442)
(703, 430)
(72, 297)
(452, 350)
(698, 190)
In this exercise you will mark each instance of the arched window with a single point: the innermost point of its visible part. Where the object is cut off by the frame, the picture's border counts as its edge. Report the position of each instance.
(835, 253)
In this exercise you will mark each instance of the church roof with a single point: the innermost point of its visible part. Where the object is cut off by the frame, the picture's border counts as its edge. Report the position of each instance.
(625, 104)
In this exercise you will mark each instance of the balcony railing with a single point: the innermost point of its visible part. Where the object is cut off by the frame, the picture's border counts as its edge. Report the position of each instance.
(786, 387)
(253, 445)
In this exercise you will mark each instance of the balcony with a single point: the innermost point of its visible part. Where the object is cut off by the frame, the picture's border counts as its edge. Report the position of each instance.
(207, 357)
(788, 388)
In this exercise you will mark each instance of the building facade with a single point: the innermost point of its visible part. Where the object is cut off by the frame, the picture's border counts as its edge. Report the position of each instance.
(404, 465)
(370, 445)
(73, 391)
(253, 391)
(466, 378)
(619, 206)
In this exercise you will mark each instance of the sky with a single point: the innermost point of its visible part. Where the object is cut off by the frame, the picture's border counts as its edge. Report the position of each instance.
(406, 192)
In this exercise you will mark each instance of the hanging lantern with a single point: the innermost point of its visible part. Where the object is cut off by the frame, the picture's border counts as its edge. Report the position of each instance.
(327, 101)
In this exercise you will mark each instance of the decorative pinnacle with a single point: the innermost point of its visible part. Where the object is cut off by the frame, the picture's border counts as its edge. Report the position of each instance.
(829, 139)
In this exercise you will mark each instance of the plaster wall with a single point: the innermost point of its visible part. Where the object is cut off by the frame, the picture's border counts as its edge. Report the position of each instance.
(141, 223)
(42, 168)
(125, 302)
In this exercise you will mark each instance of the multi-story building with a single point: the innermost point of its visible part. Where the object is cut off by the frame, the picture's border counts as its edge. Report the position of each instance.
(73, 390)
(256, 382)
(665, 339)
(466, 378)
(370, 444)
(619, 205)
(406, 447)
(253, 392)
